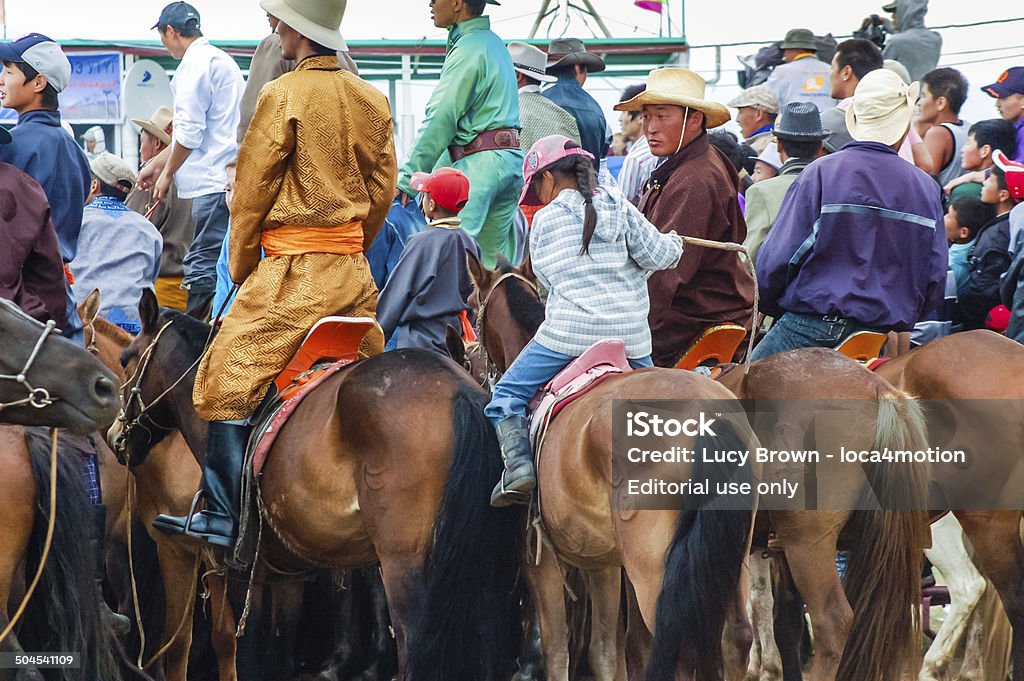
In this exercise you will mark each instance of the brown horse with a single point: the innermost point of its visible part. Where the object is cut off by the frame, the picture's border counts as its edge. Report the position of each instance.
(882, 582)
(164, 483)
(390, 461)
(50, 381)
(984, 372)
(684, 568)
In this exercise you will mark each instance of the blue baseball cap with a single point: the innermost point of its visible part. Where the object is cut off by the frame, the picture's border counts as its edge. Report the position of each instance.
(1010, 82)
(179, 15)
(42, 54)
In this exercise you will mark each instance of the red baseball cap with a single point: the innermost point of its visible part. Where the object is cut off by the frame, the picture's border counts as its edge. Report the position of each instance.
(1014, 174)
(447, 186)
(998, 318)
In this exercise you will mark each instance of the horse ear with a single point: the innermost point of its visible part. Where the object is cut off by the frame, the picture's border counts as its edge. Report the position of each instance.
(456, 346)
(526, 269)
(149, 311)
(482, 277)
(90, 308)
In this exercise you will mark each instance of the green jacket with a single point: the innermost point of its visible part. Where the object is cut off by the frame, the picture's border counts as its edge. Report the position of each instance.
(477, 92)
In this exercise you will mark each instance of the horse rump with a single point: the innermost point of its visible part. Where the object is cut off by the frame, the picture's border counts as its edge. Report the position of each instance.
(471, 623)
(702, 570)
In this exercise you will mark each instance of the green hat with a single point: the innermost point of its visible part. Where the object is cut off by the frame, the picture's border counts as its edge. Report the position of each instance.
(800, 39)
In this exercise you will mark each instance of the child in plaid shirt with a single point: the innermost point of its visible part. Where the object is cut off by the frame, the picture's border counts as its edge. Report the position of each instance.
(592, 251)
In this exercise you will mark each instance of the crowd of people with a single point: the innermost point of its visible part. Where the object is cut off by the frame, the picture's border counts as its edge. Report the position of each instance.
(864, 199)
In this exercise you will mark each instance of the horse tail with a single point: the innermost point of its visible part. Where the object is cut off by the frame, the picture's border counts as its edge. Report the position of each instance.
(883, 578)
(470, 628)
(63, 613)
(702, 570)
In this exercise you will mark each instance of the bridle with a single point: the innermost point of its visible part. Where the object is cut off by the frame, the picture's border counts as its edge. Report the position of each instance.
(135, 397)
(491, 373)
(37, 397)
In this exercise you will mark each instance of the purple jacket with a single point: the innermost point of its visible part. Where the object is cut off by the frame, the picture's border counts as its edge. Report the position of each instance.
(860, 235)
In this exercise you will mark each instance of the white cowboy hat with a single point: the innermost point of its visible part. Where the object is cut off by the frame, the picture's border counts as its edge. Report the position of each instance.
(318, 20)
(677, 87)
(882, 107)
(530, 61)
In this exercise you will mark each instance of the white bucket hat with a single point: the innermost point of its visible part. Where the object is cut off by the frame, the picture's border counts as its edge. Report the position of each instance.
(882, 107)
(530, 61)
(318, 20)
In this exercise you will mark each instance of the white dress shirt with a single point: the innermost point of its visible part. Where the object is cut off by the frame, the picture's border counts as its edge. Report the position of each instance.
(207, 89)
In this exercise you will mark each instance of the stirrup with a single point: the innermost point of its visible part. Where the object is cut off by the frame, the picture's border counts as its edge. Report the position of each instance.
(191, 515)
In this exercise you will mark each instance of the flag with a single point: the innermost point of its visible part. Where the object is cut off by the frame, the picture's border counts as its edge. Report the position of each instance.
(650, 5)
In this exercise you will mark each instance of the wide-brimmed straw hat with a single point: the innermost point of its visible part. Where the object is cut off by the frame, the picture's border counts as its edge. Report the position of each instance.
(569, 51)
(677, 87)
(160, 124)
(318, 20)
(882, 107)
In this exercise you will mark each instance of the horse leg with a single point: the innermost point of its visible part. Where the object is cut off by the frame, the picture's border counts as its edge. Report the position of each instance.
(966, 586)
(404, 586)
(606, 655)
(547, 592)
(738, 636)
(988, 638)
(765, 659)
(995, 536)
(178, 568)
(809, 541)
(789, 621)
(638, 638)
(382, 647)
(223, 627)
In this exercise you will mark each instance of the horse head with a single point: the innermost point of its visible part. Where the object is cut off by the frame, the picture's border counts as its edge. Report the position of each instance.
(46, 380)
(510, 310)
(159, 365)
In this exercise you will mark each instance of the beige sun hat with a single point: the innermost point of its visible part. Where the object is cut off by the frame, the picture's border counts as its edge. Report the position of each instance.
(160, 124)
(882, 107)
(677, 87)
(318, 20)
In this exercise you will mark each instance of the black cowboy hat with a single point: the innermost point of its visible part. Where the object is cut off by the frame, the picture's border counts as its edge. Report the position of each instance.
(800, 121)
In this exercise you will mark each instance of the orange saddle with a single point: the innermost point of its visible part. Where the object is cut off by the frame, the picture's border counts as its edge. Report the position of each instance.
(717, 345)
(863, 346)
(331, 339)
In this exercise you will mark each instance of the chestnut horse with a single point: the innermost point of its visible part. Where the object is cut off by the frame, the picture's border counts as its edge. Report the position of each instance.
(47, 380)
(389, 461)
(674, 561)
(885, 566)
(984, 371)
(165, 483)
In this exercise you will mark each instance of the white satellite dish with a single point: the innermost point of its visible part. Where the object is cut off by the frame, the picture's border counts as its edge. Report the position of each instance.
(146, 89)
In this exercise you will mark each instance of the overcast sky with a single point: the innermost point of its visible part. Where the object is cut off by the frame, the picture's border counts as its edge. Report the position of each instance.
(706, 23)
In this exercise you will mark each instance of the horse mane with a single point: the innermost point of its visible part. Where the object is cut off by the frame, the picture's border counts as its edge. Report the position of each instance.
(526, 309)
(112, 331)
(194, 332)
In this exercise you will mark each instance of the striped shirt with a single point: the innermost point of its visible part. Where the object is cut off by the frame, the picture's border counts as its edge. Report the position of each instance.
(602, 294)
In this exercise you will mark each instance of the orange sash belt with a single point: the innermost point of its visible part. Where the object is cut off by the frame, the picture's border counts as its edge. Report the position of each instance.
(291, 240)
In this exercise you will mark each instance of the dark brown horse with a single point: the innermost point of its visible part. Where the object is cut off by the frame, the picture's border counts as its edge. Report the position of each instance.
(884, 569)
(982, 375)
(390, 461)
(164, 482)
(48, 380)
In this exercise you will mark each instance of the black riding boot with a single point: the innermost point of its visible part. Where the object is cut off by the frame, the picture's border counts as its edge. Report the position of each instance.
(518, 480)
(119, 624)
(221, 486)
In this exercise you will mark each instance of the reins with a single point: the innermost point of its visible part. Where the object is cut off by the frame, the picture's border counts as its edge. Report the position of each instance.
(37, 397)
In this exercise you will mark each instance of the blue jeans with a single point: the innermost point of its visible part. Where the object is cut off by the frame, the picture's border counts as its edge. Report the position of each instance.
(210, 214)
(533, 368)
(792, 331)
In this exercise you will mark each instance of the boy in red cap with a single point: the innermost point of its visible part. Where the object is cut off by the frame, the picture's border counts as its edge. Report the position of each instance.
(990, 257)
(430, 286)
(1011, 175)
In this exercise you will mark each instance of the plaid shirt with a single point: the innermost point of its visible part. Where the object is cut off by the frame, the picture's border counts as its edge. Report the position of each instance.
(602, 294)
